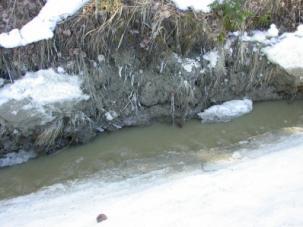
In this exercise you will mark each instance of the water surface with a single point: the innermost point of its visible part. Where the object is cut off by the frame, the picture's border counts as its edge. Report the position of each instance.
(135, 151)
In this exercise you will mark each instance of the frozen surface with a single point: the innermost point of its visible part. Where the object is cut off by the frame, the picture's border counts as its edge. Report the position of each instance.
(288, 51)
(198, 5)
(43, 25)
(42, 88)
(261, 191)
(16, 158)
(226, 111)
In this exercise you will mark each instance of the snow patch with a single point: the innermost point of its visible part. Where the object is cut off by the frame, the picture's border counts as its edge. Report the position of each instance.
(288, 51)
(226, 111)
(197, 5)
(1, 82)
(43, 25)
(265, 37)
(111, 115)
(42, 88)
(189, 64)
(15, 158)
(212, 57)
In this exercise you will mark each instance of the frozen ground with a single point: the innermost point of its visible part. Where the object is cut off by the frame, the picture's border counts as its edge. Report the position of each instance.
(259, 190)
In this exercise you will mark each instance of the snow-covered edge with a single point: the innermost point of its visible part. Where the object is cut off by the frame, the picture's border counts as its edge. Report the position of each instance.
(42, 26)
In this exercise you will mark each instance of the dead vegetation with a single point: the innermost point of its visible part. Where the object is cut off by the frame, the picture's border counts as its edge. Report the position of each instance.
(154, 29)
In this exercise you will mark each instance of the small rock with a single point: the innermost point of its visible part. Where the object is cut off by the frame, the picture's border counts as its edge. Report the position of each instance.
(101, 217)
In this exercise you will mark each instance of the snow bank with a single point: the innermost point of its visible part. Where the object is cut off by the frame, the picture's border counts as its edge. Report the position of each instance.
(266, 191)
(226, 111)
(197, 5)
(288, 51)
(43, 25)
(16, 158)
(44, 87)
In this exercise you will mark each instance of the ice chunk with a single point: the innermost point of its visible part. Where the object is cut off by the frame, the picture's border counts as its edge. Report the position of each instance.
(226, 111)
(44, 87)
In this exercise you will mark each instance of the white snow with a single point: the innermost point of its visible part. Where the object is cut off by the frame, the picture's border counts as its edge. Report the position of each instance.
(226, 111)
(273, 31)
(111, 115)
(43, 25)
(1, 82)
(197, 5)
(44, 87)
(263, 191)
(16, 158)
(288, 51)
(189, 64)
(266, 37)
(212, 57)
(285, 50)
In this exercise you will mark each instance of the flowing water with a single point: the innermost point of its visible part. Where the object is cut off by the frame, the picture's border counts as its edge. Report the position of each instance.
(133, 152)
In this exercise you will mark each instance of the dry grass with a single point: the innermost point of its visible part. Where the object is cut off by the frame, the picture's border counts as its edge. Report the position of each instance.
(287, 14)
(50, 134)
(152, 28)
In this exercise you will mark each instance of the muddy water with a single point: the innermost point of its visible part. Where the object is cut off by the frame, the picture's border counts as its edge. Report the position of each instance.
(135, 151)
